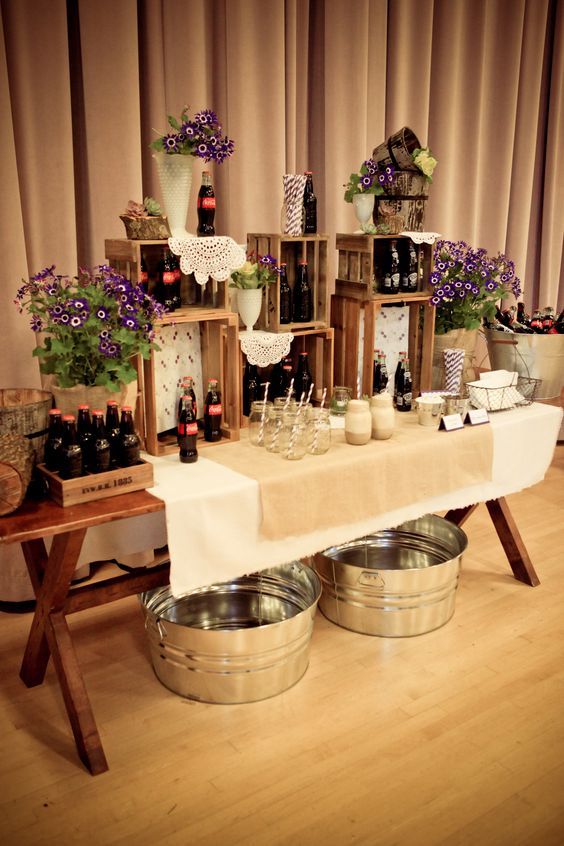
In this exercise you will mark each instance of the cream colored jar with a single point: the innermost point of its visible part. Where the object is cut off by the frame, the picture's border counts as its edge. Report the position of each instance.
(383, 416)
(358, 422)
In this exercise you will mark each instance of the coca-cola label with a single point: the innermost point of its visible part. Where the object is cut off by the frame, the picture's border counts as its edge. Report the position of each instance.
(215, 409)
(177, 273)
(206, 202)
(188, 428)
(169, 277)
(144, 277)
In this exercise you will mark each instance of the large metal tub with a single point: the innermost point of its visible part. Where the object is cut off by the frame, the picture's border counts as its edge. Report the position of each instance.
(395, 583)
(536, 356)
(238, 641)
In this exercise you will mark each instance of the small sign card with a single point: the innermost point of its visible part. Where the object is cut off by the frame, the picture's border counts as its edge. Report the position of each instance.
(450, 422)
(476, 416)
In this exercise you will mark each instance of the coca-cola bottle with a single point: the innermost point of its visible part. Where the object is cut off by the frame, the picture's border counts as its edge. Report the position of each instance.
(71, 454)
(99, 448)
(376, 373)
(176, 301)
(129, 445)
(84, 434)
(168, 279)
(112, 431)
(302, 295)
(206, 206)
(187, 387)
(522, 317)
(187, 431)
(251, 387)
(286, 379)
(212, 412)
(559, 323)
(54, 442)
(536, 322)
(285, 296)
(302, 377)
(144, 275)
(547, 320)
(309, 206)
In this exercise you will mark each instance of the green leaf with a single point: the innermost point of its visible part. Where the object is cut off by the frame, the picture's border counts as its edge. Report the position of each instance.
(173, 122)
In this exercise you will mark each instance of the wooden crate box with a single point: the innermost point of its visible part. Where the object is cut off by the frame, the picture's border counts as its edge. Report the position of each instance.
(291, 250)
(219, 355)
(125, 256)
(361, 265)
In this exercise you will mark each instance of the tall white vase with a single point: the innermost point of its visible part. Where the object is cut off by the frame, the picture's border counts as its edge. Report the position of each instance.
(249, 302)
(363, 207)
(175, 176)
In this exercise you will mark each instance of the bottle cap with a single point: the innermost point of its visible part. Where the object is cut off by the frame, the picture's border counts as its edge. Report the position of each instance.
(54, 411)
(111, 402)
(69, 417)
(302, 261)
(83, 406)
(97, 412)
(126, 408)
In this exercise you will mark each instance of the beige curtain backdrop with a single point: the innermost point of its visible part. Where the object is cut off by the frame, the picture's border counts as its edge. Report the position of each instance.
(298, 84)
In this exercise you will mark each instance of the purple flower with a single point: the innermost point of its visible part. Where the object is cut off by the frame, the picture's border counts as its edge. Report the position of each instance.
(64, 318)
(170, 143)
(267, 260)
(102, 313)
(206, 117)
(366, 181)
(113, 350)
(36, 323)
(370, 166)
(76, 321)
(130, 323)
(435, 300)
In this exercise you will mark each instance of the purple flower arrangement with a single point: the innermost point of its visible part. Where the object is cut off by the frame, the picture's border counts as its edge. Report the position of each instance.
(198, 136)
(372, 178)
(468, 284)
(93, 325)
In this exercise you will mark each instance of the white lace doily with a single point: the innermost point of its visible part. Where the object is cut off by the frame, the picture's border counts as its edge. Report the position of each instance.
(217, 256)
(264, 348)
(422, 237)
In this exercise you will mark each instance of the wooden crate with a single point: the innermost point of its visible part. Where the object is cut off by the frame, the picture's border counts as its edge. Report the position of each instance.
(361, 264)
(125, 256)
(289, 249)
(219, 342)
(346, 316)
(94, 486)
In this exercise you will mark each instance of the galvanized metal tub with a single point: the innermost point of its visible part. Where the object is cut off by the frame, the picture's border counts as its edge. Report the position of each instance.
(238, 641)
(395, 583)
(536, 356)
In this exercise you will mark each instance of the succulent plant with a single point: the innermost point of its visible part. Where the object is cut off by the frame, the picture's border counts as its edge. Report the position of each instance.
(134, 209)
(152, 208)
(149, 208)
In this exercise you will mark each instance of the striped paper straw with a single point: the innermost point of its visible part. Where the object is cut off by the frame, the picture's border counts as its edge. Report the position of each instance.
(294, 184)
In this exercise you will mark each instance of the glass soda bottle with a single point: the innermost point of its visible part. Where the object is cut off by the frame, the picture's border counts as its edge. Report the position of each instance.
(383, 372)
(212, 412)
(206, 206)
(251, 387)
(412, 269)
(84, 433)
(187, 431)
(310, 206)
(168, 277)
(112, 431)
(302, 377)
(404, 394)
(54, 442)
(398, 376)
(285, 296)
(302, 295)
(144, 275)
(99, 449)
(129, 445)
(71, 455)
(376, 373)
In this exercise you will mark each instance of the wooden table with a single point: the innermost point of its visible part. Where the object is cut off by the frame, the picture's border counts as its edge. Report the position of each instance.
(51, 577)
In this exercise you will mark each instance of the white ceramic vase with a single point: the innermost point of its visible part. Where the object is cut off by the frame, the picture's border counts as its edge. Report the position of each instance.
(249, 302)
(175, 176)
(363, 205)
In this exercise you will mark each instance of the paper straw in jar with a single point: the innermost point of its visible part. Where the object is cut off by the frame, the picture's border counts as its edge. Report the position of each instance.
(358, 396)
(284, 408)
(294, 432)
(261, 427)
(316, 428)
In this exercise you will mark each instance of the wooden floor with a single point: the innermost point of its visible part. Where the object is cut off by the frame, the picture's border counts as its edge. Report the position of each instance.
(454, 737)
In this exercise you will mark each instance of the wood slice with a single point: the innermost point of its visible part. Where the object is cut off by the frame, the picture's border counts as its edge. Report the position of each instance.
(16, 467)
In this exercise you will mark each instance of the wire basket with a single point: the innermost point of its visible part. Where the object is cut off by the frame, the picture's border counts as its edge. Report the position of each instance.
(503, 399)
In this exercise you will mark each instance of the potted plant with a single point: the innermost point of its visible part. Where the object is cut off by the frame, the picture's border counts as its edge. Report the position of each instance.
(145, 221)
(250, 280)
(362, 189)
(89, 328)
(174, 153)
(467, 286)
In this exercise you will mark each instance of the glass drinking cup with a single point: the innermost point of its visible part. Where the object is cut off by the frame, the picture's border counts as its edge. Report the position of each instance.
(293, 435)
(318, 431)
(257, 421)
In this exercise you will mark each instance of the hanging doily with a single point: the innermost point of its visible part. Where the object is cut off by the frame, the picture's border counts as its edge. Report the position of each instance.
(422, 237)
(264, 348)
(217, 256)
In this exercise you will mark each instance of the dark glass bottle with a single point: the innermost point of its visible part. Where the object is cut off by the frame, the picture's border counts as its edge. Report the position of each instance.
(285, 296)
(310, 206)
(206, 206)
(187, 431)
(302, 295)
(394, 266)
(168, 279)
(112, 431)
(412, 268)
(71, 456)
(251, 387)
(376, 373)
(522, 316)
(286, 380)
(129, 445)
(99, 449)
(54, 442)
(398, 376)
(383, 372)
(212, 412)
(559, 323)
(144, 275)
(275, 380)
(176, 301)
(302, 377)
(187, 387)
(404, 394)
(84, 434)
(547, 320)
(536, 322)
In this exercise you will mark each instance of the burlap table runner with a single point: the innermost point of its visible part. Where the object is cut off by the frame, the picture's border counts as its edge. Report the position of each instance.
(352, 483)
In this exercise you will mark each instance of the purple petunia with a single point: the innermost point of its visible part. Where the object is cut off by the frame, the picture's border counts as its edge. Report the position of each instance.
(170, 143)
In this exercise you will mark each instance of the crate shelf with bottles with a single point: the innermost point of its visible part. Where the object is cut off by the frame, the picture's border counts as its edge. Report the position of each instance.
(362, 263)
(291, 250)
(125, 256)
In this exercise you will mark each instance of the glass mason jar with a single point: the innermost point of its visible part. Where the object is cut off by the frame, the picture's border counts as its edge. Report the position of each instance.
(273, 428)
(280, 402)
(293, 440)
(257, 421)
(318, 431)
(340, 399)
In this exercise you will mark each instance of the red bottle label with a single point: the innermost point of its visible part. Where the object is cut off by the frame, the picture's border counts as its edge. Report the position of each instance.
(144, 277)
(214, 410)
(177, 274)
(168, 277)
(206, 202)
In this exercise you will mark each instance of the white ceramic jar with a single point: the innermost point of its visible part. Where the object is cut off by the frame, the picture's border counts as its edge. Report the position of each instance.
(383, 416)
(358, 422)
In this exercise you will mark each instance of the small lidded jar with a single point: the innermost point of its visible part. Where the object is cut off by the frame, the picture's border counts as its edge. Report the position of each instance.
(340, 399)
(383, 416)
(358, 422)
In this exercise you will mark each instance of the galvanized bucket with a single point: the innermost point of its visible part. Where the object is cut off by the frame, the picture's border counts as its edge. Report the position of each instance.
(536, 356)
(238, 641)
(395, 583)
